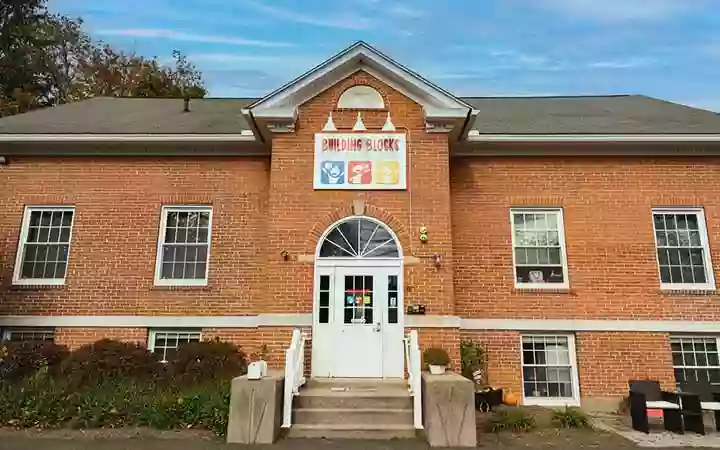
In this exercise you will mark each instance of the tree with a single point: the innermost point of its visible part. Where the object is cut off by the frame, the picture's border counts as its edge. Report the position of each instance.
(47, 59)
(20, 48)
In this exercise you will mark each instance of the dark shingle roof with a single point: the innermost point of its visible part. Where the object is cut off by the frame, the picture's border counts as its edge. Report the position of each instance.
(620, 114)
(626, 114)
(107, 115)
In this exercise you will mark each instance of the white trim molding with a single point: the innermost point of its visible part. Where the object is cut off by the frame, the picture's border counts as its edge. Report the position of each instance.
(254, 321)
(475, 136)
(579, 325)
(411, 321)
(243, 136)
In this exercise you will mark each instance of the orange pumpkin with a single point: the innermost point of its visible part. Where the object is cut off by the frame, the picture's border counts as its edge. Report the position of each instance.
(510, 398)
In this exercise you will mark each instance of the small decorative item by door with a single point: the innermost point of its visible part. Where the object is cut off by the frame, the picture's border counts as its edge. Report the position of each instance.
(360, 161)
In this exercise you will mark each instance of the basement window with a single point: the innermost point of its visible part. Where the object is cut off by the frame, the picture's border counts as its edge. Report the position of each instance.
(166, 342)
(695, 359)
(549, 370)
(24, 334)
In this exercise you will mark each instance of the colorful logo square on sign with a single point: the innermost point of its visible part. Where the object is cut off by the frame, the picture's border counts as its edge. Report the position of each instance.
(360, 172)
(332, 172)
(387, 172)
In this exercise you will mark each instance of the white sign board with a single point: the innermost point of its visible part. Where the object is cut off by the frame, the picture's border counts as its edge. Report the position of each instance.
(360, 161)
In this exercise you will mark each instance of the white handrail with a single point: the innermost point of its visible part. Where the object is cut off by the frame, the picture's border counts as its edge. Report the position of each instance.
(294, 374)
(412, 359)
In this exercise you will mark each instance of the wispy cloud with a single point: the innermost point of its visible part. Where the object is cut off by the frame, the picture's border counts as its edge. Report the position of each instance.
(631, 63)
(339, 20)
(404, 11)
(620, 10)
(175, 35)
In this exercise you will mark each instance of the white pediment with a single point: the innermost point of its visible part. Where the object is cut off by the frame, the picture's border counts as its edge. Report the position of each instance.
(443, 111)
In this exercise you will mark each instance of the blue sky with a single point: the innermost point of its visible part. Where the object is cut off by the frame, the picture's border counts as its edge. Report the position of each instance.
(663, 48)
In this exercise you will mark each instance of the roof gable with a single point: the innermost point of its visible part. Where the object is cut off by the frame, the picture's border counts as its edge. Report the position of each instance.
(280, 106)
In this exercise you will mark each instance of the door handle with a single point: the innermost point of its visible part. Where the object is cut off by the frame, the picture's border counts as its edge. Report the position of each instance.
(377, 327)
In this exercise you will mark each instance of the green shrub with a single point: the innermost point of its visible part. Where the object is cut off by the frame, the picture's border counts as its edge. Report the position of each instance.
(472, 361)
(22, 359)
(512, 419)
(570, 418)
(436, 357)
(110, 394)
(35, 402)
(200, 362)
(107, 359)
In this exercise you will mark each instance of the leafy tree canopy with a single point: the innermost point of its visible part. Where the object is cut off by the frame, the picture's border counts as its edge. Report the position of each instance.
(47, 59)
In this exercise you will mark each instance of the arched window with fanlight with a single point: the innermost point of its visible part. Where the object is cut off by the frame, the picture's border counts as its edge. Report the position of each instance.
(359, 237)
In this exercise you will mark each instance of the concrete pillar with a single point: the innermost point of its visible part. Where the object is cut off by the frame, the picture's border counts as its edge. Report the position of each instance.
(449, 410)
(256, 409)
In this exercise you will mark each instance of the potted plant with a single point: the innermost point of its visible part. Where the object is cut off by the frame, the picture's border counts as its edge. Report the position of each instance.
(437, 360)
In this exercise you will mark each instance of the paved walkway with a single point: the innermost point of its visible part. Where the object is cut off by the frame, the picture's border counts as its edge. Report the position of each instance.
(30, 443)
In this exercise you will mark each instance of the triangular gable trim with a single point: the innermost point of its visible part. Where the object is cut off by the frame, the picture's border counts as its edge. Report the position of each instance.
(360, 49)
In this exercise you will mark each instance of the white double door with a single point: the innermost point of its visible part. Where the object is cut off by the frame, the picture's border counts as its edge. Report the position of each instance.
(363, 331)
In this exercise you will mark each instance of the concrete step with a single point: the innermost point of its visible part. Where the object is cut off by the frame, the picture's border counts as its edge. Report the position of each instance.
(384, 416)
(351, 431)
(321, 398)
(357, 384)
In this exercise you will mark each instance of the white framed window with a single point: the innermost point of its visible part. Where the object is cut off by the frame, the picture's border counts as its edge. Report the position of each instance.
(184, 246)
(683, 253)
(538, 241)
(696, 359)
(549, 370)
(44, 246)
(28, 334)
(166, 342)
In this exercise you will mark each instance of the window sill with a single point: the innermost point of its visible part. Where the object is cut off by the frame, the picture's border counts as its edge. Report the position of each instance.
(550, 402)
(542, 290)
(182, 287)
(684, 292)
(37, 284)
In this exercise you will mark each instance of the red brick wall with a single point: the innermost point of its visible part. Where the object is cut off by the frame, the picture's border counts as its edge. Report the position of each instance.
(607, 361)
(502, 353)
(77, 337)
(114, 238)
(607, 205)
(298, 215)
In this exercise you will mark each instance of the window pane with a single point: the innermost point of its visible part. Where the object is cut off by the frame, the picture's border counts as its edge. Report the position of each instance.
(324, 299)
(393, 315)
(35, 218)
(692, 221)
(518, 221)
(324, 282)
(324, 315)
(674, 255)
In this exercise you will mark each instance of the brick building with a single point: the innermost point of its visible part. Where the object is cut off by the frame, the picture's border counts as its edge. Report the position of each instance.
(572, 236)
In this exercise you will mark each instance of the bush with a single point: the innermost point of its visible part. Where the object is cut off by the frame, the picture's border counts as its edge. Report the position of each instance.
(472, 362)
(42, 402)
(200, 362)
(107, 359)
(22, 359)
(570, 418)
(436, 357)
(512, 419)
